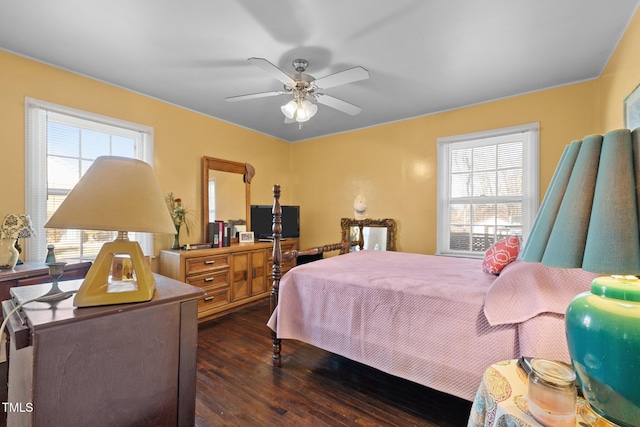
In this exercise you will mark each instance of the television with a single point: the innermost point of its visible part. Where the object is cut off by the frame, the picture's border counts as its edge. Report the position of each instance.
(262, 221)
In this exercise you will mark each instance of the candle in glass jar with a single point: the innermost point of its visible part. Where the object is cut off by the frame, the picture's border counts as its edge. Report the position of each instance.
(552, 393)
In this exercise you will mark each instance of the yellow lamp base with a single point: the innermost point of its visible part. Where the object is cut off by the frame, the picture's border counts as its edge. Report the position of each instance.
(99, 286)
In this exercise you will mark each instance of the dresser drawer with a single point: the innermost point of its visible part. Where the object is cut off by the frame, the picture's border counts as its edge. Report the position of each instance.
(215, 279)
(206, 263)
(213, 297)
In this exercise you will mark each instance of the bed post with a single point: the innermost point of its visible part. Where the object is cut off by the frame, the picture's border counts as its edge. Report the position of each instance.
(276, 274)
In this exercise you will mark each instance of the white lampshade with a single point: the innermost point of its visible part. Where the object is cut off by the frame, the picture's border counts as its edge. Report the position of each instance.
(116, 194)
(289, 109)
(306, 111)
(17, 226)
(300, 110)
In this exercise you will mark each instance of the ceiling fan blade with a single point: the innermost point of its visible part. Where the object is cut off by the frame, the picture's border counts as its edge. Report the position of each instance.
(254, 96)
(338, 104)
(273, 70)
(341, 77)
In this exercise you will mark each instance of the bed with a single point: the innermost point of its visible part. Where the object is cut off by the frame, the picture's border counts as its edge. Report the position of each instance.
(434, 320)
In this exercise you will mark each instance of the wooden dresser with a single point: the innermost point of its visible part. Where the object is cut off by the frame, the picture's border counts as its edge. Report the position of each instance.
(113, 365)
(231, 276)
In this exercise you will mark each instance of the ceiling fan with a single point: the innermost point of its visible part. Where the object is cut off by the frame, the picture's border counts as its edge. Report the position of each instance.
(305, 89)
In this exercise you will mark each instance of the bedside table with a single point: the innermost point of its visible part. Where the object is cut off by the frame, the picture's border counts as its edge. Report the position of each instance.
(502, 398)
(113, 365)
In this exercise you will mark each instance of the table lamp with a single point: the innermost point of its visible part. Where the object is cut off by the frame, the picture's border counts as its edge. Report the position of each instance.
(589, 219)
(116, 194)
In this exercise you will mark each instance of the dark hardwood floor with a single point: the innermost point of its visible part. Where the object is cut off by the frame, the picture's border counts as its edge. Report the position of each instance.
(237, 385)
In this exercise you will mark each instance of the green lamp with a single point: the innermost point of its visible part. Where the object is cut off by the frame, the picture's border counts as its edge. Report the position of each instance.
(589, 219)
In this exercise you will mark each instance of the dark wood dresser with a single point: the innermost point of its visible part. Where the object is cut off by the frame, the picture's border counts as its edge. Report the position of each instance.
(114, 365)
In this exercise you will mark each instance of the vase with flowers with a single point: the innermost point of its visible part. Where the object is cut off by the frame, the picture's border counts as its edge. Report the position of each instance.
(180, 215)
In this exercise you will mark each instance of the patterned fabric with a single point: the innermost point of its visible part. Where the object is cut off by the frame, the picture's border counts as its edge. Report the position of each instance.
(501, 254)
(501, 399)
(16, 226)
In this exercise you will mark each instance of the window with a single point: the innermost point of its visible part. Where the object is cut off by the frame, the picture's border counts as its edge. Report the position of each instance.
(212, 197)
(487, 188)
(61, 143)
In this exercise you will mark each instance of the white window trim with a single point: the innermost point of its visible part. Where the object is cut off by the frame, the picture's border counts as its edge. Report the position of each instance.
(36, 172)
(530, 184)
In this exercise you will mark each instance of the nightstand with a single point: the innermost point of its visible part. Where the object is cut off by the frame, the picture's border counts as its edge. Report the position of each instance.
(502, 398)
(125, 364)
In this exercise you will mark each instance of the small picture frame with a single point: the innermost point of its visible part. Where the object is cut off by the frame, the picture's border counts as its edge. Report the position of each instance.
(632, 109)
(245, 237)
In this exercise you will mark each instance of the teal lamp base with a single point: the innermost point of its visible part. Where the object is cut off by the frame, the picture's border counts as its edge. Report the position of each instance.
(603, 335)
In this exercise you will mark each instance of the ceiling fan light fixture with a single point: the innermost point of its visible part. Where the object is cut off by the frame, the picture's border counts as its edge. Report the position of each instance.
(289, 109)
(306, 110)
(311, 108)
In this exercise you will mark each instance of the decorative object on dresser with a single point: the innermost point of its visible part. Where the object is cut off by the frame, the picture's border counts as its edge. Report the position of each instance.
(14, 228)
(589, 220)
(116, 194)
(237, 226)
(36, 272)
(56, 269)
(141, 358)
(51, 254)
(246, 237)
(179, 215)
(231, 276)
(377, 234)
(8, 254)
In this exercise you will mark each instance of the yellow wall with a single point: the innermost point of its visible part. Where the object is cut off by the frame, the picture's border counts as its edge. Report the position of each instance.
(182, 137)
(393, 165)
(619, 78)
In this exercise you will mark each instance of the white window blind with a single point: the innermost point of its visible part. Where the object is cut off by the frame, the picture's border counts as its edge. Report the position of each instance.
(61, 143)
(487, 188)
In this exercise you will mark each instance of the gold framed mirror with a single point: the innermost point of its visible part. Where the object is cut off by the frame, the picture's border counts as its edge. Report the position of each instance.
(378, 234)
(226, 192)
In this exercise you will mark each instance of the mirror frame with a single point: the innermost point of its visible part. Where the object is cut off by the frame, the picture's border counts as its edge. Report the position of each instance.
(245, 169)
(388, 223)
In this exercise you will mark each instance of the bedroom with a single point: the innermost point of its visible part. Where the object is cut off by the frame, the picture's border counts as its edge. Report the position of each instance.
(315, 171)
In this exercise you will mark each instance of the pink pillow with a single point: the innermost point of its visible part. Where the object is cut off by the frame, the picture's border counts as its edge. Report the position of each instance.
(501, 254)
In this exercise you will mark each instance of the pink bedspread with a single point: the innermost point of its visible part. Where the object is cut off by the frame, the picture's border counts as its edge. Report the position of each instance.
(419, 317)
(525, 289)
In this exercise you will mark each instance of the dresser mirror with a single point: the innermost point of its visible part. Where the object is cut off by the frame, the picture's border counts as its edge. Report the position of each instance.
(377, 234)
(226, 192)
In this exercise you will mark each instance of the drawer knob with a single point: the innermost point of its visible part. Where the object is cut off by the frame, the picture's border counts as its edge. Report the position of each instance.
(208, 279)
(209, 298)
(210, 261)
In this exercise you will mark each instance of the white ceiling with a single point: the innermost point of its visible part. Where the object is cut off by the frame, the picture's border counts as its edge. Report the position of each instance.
(423, 56)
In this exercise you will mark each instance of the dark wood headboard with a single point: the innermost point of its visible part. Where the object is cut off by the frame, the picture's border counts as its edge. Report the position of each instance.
(278, 257)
